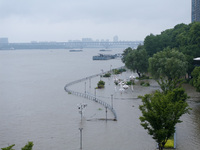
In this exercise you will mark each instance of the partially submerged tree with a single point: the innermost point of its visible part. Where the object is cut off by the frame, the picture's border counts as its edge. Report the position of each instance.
(168, 63)
(101, 84)
(28, 146)
(168, 85)
(161, 112)
(8, 148)
(125, 53)
(196, 78)
(137, 60)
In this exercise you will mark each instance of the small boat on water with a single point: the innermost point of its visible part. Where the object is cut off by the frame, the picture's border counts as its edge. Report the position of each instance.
(104, 57)
(76, 50)
(103, 50)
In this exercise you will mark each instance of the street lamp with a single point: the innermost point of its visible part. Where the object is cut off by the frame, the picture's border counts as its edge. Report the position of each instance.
(106, 113)
(81, 107)
(85, 88)
(95, 94)
(80, 137)
(112, 101)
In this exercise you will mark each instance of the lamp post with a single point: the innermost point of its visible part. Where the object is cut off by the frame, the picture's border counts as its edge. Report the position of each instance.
(112, 101)
(90, 82)
(81, 107)
(106, 113)
(101, 73)
(95, 94)
(85, 89)
(80, 137)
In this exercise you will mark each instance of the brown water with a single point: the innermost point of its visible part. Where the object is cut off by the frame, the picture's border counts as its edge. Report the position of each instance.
(35, 107)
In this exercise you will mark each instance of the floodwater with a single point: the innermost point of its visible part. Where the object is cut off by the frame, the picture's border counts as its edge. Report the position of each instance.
(35, 107)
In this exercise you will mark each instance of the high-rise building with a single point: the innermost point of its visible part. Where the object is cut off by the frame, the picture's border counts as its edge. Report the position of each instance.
(115, 38)
(3, 40)
(195, 10)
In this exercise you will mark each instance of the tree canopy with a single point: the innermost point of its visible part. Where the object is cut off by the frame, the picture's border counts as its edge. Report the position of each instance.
(161, 112)
(136, 60)
(184, 37)
(196, 78)
(28, 146)
(168, 63)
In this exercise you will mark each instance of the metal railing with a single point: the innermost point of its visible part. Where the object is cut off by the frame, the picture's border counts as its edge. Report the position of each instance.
(91, 97)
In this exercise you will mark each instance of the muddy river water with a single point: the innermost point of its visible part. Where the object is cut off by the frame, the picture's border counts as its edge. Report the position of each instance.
(35, 107)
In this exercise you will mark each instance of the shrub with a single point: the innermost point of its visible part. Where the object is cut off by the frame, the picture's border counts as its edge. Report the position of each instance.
(101, 84)
(118, 71)
(144, 84)
(143, 77)
(107, 75)
(170, 142)
(130, 83)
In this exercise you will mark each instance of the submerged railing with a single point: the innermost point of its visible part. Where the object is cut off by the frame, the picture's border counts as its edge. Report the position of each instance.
(91, 97)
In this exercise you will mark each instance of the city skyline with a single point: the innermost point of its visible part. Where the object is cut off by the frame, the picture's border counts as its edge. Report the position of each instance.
(64, 20)
(5, 40)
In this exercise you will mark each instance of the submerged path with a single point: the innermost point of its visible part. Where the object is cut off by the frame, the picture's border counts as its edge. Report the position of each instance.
(91, 97)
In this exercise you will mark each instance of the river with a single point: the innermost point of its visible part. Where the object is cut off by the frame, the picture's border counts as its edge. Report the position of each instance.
(35, 107)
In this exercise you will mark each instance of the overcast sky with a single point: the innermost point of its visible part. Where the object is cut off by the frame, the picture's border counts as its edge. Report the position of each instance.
(63, 20)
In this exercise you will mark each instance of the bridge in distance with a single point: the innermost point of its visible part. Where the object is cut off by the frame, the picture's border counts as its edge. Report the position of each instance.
(70, 45)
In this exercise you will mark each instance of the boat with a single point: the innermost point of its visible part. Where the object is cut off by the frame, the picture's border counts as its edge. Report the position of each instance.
(103, 50)
(78, 50)
(104, 57)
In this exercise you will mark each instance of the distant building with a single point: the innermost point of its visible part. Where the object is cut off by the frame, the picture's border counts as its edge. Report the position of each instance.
(87, 40)
(195, 10)
(115, 38)
(3, 40)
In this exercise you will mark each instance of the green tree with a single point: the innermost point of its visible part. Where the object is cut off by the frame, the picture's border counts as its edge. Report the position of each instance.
(196, 78)
(28, 146)
(169, 85)
(9, 147)
(100, 84)
(125, 53)
(151, 44)
(137, 60)
(168, 63)
(161, 112)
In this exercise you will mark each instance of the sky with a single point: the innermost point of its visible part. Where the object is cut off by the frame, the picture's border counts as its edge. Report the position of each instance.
(63, 20)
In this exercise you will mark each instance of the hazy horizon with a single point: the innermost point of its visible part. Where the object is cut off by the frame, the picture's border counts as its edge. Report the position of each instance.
(63, 20)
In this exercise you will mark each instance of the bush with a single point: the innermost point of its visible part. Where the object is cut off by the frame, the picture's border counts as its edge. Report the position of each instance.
(130, 83)
(107, 75)
(118, 71)
(144, 84)
(170, 142)
(101, 84)
(143, 77)
(28, 146)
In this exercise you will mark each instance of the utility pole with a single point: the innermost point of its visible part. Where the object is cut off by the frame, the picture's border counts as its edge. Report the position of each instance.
(106, 113)
(112, 101)
(85, 89)
(89, 82)
(80, 137)
(95, 94)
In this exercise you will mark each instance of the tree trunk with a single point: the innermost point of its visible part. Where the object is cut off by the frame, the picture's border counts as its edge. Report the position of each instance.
(160, 148)
(138, 73)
